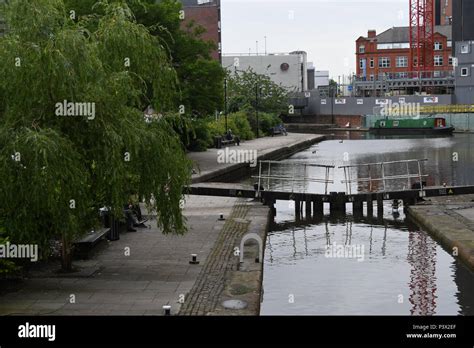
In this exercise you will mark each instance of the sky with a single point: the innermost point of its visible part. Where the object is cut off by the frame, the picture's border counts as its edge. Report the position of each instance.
(325, 29)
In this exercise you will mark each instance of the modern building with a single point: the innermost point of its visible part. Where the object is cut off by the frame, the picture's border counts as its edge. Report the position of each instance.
(321, 78)
(206, 13)
(311, 76)
(289, 70)
(463, 21)
(383, 65)
(463, 48)
(443, 12)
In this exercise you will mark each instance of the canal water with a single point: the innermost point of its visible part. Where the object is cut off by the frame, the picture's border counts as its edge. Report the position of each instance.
(342, 265)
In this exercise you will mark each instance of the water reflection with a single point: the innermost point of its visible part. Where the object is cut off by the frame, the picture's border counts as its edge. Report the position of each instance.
(401, 262)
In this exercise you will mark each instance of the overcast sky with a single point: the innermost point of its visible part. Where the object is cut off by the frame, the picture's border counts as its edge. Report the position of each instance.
(325, 29)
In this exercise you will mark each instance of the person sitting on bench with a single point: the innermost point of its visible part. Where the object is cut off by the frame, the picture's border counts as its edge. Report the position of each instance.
(231, 137)
(133, 216)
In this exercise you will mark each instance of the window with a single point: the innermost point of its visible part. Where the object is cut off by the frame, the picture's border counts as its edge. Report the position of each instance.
(372, 63)
(464, 49)
(415, 61)
(384, 62)
(450, 61)
(371, 77)
(362, 49)
(450, 44)
(464, 71)
(437, 73)
(438, 46)
(401, 75)
(402, 62)
(362, 63)
(391, 46)
(438, 60)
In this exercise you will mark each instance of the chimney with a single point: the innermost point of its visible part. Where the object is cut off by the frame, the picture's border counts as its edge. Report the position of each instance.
(372, 34)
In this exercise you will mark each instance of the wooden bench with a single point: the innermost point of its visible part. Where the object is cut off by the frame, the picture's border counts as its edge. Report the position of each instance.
(223, 141)
(278, 131)
(89, 241)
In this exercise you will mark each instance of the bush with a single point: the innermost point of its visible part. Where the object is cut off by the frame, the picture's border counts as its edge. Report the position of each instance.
(236, 122)
(266, 122)
(202, 137)
(7, 267)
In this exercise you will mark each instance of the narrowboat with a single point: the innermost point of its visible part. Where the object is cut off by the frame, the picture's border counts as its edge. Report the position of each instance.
(435, 125)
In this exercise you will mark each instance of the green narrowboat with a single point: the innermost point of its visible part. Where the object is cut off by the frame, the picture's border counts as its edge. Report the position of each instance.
(411, 126)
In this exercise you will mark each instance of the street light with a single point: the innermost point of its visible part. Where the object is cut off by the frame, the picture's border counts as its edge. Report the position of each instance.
(225, 103)
(256, 108)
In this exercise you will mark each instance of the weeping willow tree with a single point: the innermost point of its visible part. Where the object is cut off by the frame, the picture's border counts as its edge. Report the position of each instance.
(59, 165)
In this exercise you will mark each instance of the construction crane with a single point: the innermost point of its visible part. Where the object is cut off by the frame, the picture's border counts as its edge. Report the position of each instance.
(422, 36)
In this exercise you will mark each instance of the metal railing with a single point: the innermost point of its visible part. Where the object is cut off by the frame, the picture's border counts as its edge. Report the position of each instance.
(372, 167)
(295, 174)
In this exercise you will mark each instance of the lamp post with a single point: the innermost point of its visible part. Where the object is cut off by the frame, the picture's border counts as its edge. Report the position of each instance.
(225, 103)
(256, 108)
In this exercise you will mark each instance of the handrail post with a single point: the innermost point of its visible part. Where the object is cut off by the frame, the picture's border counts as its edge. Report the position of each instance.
(259, 179)
(383, 177)
(268, 176)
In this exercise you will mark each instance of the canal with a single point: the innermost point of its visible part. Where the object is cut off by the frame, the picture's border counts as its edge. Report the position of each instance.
(342, 265)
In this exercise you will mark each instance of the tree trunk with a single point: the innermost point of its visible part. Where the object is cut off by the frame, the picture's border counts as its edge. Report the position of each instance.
(66, 255)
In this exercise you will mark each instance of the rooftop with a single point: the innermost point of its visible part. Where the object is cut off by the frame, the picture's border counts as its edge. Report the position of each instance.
(402, 34)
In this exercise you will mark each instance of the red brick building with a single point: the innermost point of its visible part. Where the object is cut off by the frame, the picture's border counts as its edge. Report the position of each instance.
(383, 60)
(206, 13)
(385, 57)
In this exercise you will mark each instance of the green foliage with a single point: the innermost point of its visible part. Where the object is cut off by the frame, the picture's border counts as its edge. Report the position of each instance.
(265, 121)
(7, 267)
(236, 122)
(202, 138)
(200, 77)
(249, 89)
(75, 158)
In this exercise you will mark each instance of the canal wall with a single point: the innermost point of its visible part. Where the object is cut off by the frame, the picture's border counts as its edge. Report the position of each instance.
(208, 168)
(364, 105)
(225, 286)
(451, 222)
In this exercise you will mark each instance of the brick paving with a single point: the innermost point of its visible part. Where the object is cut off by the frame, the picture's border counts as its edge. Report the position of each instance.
(203, 297)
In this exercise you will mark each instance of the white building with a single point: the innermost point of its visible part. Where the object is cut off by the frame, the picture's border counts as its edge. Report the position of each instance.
(321, 78)
(286, 69)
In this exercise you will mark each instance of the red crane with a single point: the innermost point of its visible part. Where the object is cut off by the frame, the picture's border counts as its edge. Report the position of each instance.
(422, 36)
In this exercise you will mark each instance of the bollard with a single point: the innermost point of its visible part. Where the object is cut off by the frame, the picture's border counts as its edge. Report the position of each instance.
(221, 217)
(167, 310)
(194, 260)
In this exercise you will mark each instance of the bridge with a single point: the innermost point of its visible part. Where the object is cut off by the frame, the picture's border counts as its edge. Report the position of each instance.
(271, 185)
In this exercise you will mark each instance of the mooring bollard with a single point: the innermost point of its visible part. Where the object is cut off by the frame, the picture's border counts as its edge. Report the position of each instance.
(221, 217)
(194, 260)
(167, 310)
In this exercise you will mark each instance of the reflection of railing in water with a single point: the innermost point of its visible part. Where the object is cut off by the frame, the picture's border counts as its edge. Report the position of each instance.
(295, 227)
(294, 175)
(383, 178)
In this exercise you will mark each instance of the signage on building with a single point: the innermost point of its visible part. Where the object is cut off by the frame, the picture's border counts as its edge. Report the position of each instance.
(340, 101)
(381, 101)
(323, 101)
(430, 100)
(360, 101)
